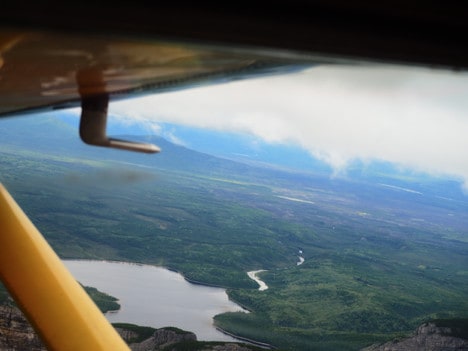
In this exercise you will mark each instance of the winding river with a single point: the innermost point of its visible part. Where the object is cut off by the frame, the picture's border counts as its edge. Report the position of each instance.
(156, 297)
(262, 285)
(254, 275)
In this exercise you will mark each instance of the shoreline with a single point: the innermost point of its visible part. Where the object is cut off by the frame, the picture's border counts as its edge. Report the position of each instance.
(191, 281)
(242, 308)
(250, 341)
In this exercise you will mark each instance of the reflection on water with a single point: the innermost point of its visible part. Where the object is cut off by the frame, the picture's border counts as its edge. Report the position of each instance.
(156, 297)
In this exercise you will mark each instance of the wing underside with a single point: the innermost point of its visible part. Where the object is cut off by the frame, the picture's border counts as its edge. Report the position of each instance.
(49, 70)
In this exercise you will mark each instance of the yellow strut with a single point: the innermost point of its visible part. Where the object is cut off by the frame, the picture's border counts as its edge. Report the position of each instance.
(57, 306)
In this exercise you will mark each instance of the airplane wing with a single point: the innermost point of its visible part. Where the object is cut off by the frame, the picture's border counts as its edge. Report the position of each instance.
(43, 70)
(125, 49)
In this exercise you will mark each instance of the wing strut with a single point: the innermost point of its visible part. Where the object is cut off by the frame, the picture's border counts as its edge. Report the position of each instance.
(57, 306)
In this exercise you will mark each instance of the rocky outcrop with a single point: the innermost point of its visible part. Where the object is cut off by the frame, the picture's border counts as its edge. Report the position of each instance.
(126, 334)
(428, 337)
(15, 331)
(162, 338)
(175, 339)
(229, 347)
(16, 334)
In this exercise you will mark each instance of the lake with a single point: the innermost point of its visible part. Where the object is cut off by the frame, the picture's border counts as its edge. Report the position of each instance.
(156, 297)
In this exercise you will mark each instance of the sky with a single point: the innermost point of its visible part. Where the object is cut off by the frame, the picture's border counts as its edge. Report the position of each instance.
(413, 117)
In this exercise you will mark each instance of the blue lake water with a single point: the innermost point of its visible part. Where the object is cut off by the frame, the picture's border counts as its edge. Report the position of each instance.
(156, 297)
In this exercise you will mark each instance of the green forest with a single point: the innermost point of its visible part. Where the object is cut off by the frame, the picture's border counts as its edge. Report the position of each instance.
(378, 262)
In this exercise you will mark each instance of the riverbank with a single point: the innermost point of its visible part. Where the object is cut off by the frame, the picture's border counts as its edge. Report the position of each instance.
(247, 340)
(157, 297)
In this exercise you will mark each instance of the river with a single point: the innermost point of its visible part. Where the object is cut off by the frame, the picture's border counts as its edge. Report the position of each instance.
(254, 276)
(156, 297)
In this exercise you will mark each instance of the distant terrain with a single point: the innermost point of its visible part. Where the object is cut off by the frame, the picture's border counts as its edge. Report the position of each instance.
(385, 250)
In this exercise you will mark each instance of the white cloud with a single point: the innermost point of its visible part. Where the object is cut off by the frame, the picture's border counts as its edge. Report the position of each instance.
(409, 116)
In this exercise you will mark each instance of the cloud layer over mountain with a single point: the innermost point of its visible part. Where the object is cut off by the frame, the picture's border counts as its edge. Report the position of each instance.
(414, 117)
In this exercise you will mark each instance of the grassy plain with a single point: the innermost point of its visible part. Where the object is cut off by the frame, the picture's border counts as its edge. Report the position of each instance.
(378, 260)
